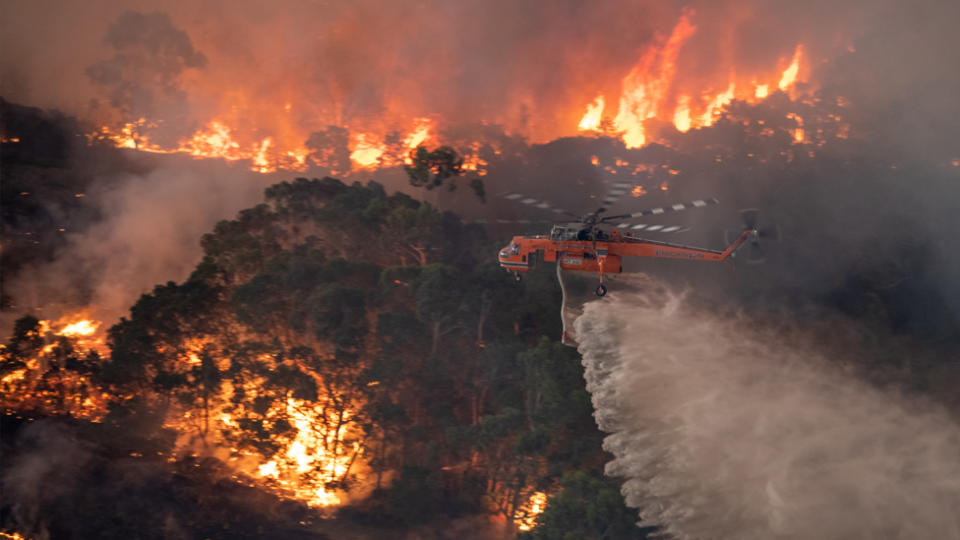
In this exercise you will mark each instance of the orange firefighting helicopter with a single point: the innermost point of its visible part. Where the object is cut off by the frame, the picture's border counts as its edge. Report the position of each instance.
(595, 243)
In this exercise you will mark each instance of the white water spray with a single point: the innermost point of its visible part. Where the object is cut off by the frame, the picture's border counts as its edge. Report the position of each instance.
(721, 431)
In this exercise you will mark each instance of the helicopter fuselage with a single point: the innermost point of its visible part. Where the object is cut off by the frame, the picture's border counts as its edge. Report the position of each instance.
(592, 249)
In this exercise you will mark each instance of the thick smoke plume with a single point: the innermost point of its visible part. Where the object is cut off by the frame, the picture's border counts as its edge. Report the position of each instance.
(142, 78)
(149, 233)
(531, 66)
(723, 431)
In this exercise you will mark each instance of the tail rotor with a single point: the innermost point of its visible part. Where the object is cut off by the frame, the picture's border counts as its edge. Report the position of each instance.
(759, 235)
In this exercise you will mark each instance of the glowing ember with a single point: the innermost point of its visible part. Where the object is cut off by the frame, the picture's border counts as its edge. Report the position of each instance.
(473, 163)
(591, 119)
(638, 191)
(798, 134)
(762, 91)
(843, 132)
(526, 516)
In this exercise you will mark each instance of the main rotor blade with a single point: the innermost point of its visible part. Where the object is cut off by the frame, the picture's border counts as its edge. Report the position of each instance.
(485, 221)
(653, 228)
(665, 209)
(617, 190)
(537, 203)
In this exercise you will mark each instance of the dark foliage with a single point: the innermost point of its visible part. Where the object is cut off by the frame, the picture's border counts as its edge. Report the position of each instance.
(82, 480)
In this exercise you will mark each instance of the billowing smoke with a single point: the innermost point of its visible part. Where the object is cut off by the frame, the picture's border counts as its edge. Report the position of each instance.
(724, 430)
(44, 474)
(142, 78)
(530, 66)
(149, 233)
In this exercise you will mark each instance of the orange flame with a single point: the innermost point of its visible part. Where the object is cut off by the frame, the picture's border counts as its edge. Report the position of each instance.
(265, 155)
(271, 137)
(681, 117)
(81, 328)
(526, 516)
(41, 383)
(591, 119)
(309, 452)
(715, 105)
(648, 90)
(790, 74)
(645, 87)
(798, 133)
(84, 327)
(366, 152)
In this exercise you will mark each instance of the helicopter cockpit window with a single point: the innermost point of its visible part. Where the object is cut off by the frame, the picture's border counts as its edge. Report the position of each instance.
(515, 249)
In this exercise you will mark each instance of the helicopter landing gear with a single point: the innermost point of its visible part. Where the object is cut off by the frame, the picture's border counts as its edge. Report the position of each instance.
(602, 289)
(517, 277)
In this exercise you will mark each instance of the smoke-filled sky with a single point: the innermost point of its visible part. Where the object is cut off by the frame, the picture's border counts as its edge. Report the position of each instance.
(149, 234)
(531, 66)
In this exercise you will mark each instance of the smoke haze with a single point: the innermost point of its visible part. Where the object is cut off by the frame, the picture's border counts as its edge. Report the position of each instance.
(723, 430)
(531, 66)
(149, 234)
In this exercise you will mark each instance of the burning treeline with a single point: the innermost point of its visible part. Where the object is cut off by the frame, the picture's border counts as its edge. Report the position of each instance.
(356, 90)
(330, 345)
(651, 91)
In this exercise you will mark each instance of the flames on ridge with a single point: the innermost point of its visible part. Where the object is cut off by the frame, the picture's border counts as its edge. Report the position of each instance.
(218, 140)
(649, 93)
(283, 131)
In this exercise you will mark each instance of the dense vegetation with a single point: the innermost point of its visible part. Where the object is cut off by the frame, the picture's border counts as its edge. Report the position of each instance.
(436, 369)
